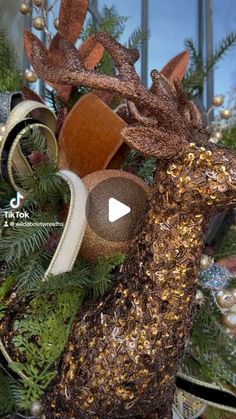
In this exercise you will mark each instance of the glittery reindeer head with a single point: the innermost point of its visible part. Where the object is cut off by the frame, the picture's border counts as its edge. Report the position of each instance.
(164, 133)
(167, 125)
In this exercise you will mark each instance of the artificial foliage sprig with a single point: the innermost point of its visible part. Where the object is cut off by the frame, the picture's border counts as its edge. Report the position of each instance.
(10, 70)
(210, 352)
(39, 334)
(42, 332)
(10, 395)
(198, 70)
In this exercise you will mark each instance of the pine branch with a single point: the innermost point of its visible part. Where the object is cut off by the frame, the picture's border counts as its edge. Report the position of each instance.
(228, 245)
(10, 394)
(136, 38)
(30, 275)
(77, 279)
(224, 46)
(210, 352)
(147, 169)
(101, 275)
(33, 140)
(197, 72)
(10, 70)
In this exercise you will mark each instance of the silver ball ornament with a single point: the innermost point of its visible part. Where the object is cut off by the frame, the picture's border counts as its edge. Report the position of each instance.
(225, 299)
(36, 409)
(38, 23)
(217, 100)
(226, 113)
(229, 320)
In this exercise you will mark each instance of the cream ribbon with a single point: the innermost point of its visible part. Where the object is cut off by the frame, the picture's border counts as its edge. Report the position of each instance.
(212, 386)
(72, 236)
(47, 124)
(73, 233)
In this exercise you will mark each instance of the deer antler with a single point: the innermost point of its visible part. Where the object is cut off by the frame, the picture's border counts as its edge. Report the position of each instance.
(161, 103)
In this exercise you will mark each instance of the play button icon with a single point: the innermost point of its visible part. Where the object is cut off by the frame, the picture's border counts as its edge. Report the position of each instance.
(116, 205)
(117, 210)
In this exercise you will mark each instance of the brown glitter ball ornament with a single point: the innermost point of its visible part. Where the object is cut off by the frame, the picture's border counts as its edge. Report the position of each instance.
(125, 349)
(98, 241)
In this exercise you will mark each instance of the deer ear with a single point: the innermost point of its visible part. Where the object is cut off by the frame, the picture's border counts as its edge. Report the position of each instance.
(176, 68)
(91, 52)
(31, 45)
(154, 142)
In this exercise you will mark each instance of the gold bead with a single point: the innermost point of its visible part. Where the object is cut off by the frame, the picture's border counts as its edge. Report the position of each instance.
(225, 299)
(229, 320)
(218, 100)
(226, 114)
(56, 23)
(205, 262)
(24, 8)
(30, 76)
(39, 23)
(38, 3)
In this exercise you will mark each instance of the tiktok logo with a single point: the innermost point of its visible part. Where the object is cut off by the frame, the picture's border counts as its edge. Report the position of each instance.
(15, 202)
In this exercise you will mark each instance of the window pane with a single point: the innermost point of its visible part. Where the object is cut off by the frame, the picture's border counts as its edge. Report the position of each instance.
(224, 22)
(13, 22)
(170, 22)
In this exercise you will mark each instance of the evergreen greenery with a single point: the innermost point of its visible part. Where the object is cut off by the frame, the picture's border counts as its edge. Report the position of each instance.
(143, 167)
(198, 71)
(10, 70)
(41, 333)
(9, 393)
(228, 245)
(229, 137)
(210, 352)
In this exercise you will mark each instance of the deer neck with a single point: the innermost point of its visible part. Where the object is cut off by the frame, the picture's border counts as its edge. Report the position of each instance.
(170, 243)
(186, 194)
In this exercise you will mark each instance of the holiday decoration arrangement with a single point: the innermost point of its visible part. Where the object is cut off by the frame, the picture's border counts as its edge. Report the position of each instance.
(137, 327)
